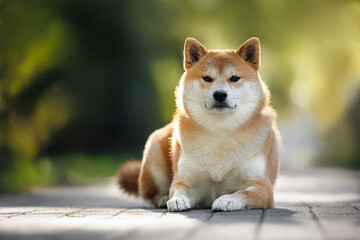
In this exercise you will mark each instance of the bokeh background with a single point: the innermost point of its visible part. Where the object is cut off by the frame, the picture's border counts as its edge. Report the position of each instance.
(83, 83)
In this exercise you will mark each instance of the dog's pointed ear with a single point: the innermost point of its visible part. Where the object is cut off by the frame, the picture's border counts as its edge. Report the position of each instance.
(193, 51)
(250, 52)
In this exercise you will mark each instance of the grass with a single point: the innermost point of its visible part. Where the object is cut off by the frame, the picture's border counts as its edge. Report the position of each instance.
(73, 169)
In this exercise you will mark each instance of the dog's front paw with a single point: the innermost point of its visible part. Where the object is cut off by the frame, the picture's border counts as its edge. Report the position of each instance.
(178, 204)
(227, 203)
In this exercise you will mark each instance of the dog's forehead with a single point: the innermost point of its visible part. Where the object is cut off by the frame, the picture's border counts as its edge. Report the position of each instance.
(221, 62)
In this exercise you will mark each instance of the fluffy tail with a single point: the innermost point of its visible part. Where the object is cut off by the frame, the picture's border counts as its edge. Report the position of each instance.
(128, 176)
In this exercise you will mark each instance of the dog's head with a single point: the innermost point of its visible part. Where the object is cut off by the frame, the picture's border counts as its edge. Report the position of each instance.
(221, 88)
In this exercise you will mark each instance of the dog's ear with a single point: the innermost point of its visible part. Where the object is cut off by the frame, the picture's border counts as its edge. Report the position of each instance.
(250, 52)
(193, 51)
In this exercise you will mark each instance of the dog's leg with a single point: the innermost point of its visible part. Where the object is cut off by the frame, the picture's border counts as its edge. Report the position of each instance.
(259, 194)
(155, 174)
(181, 199)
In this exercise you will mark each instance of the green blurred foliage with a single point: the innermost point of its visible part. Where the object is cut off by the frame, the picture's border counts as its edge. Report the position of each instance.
(97, 76)
(74, 169)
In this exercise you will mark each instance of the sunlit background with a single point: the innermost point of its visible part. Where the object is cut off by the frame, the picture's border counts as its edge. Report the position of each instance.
(83, 83)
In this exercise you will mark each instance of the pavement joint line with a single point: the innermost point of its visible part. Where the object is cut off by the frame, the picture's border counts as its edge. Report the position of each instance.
(356, 208)
(23, 213)
(317, 221)
(259, 224)
(70, 213)
(119, 212)
(211, 215)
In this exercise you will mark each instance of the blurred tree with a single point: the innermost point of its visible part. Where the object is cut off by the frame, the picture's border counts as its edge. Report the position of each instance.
(94, 76)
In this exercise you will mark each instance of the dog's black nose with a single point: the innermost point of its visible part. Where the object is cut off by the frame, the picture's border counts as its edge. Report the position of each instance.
(220, 95)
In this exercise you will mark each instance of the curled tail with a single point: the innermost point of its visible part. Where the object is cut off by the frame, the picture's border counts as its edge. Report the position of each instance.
(128, 176)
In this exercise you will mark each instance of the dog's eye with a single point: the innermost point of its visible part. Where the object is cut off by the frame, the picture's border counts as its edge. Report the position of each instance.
(234, 78)
(207, 79)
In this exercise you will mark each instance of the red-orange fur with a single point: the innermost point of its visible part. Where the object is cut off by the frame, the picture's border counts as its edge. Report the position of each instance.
(164, 147)
(128, 176)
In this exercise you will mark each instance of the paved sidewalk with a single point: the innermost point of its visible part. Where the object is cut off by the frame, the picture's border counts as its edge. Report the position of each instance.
(312, 204)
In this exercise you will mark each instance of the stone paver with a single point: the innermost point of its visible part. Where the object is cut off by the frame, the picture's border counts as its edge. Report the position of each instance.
(230, 225)
(311, 204)
(289, 223)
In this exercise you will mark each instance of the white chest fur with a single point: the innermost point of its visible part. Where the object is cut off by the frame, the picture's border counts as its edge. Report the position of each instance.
(222, 158)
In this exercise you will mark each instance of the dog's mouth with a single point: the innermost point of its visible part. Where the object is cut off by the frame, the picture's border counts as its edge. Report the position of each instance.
(220, 106)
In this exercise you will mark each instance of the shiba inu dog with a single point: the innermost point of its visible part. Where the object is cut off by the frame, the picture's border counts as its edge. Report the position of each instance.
(222, 148)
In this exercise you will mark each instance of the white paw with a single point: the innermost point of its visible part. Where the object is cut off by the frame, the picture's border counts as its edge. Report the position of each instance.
(178, 204)
(227, 203)
(161, 203)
